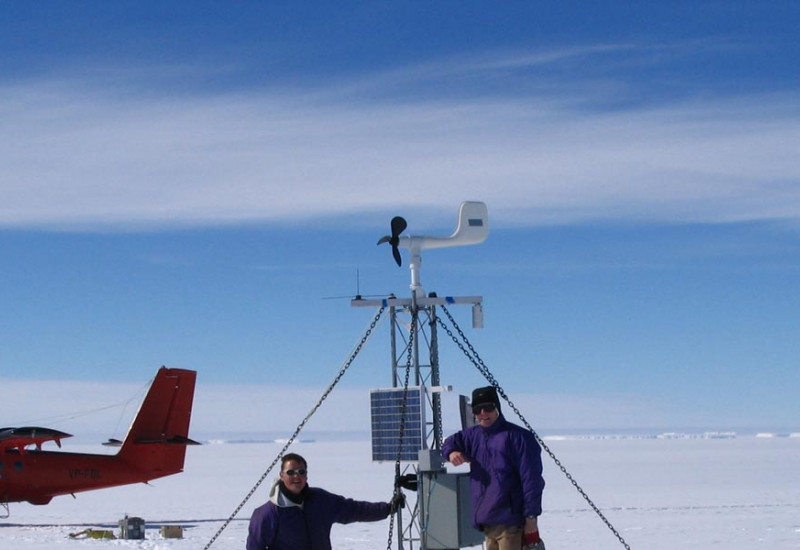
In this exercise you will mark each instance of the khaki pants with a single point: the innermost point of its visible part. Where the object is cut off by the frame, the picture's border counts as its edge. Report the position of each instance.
(503, 537)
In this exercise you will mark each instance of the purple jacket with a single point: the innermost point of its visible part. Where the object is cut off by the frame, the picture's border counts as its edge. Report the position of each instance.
(279, 525)
(505, 472)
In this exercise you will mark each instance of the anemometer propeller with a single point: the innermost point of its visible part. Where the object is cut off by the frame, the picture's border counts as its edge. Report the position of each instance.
(398, 226)
(473, 228)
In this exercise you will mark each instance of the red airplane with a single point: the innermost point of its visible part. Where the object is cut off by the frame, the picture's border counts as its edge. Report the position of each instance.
(154, 447)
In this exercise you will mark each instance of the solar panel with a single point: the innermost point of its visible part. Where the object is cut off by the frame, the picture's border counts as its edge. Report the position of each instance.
(386, 413)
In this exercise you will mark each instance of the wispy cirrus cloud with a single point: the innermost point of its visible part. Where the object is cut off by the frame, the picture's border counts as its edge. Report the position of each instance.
(93, 155)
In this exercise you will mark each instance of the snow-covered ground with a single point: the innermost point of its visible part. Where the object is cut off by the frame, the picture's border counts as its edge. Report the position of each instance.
(732, 493)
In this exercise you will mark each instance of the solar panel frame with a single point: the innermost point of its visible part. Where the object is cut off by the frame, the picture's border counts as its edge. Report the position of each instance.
(386, 407)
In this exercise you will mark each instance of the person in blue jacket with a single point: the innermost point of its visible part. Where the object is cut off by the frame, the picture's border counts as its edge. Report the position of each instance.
(300, 517)
(506, 482)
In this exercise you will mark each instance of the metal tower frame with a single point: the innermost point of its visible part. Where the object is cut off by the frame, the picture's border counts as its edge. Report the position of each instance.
(472, 228)
(423, 374)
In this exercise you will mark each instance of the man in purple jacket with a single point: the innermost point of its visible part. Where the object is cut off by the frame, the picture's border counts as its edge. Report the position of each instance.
(299, 517)
(506, 480)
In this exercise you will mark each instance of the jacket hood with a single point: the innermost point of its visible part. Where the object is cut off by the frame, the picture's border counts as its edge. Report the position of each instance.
(277, 497)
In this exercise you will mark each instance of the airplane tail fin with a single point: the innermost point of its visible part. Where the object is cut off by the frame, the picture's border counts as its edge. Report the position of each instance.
(156, 442)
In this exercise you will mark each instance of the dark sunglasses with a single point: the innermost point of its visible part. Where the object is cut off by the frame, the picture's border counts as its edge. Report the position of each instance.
(485, 407)
(299, 472)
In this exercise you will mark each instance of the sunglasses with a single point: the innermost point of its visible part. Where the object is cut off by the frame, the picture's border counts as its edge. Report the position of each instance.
(485, 407)
(298, 472)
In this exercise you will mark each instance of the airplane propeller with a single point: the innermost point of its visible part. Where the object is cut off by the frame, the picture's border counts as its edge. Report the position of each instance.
(398, 225)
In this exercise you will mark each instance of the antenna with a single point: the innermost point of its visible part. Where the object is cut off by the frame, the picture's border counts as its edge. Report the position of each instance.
(472, 228)
(357, 295)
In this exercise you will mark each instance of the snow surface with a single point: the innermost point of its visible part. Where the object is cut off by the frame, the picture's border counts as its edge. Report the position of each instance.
(724, 491)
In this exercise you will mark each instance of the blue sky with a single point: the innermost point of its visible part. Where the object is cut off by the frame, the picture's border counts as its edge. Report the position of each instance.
(184, 184)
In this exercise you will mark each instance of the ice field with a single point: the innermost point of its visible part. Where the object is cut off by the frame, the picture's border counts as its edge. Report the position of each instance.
(735, 493)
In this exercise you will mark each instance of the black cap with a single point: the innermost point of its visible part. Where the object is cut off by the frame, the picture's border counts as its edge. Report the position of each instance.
(485, 395)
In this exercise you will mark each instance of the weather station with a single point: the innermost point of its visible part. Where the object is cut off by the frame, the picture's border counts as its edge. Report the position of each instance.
(406, 420)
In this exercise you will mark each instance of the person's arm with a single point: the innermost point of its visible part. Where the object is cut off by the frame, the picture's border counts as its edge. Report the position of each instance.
(457, 458)
(349, 510)
(529, 465)
(453, 449)
(530, 475)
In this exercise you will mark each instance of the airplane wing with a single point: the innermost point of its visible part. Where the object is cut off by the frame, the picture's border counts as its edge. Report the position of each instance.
(19, 438)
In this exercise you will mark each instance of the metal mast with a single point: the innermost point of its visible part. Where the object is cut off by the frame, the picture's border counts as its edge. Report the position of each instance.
(417, 315)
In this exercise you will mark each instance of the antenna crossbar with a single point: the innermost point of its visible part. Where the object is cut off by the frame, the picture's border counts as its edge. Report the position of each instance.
(421, 302)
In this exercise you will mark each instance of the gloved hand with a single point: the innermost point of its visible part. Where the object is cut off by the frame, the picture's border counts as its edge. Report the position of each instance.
(531, 541)
(407, 481)
(398, 501)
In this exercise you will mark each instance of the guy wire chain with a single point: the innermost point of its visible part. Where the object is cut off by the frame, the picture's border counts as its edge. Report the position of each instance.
(473, 356)
(300, 427)
(438, 428)
(396, 490)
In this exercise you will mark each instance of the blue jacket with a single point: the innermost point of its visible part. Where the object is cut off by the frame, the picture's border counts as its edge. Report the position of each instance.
(505, 472)
(282, 525)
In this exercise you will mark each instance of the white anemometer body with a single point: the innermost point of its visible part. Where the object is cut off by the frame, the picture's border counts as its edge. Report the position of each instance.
(473, 228)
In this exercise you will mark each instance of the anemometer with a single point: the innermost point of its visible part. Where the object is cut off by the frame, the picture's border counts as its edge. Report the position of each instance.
(472, 228)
